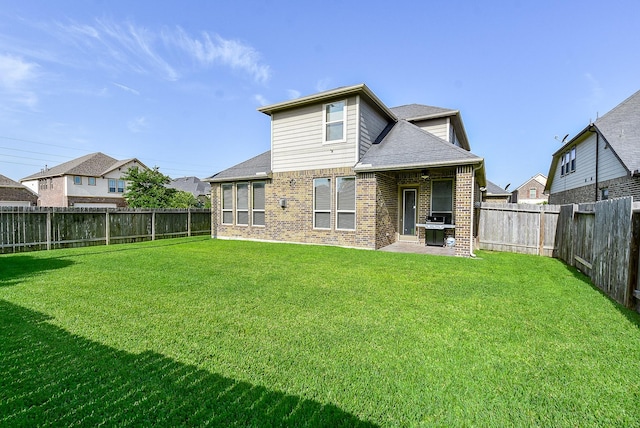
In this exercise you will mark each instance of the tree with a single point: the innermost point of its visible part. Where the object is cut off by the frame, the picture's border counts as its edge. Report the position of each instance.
(146, 188)
(182, 199)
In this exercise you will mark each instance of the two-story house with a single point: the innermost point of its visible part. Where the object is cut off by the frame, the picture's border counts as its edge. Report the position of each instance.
(602, 161)
(14, 194)
(531, 191)
(93, 180)
(344, 169)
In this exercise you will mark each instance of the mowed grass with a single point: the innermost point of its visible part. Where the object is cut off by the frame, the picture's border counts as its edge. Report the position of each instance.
(199, 331)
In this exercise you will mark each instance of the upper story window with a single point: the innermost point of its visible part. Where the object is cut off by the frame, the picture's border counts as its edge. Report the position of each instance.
(91, 181)
(334, 121)
(116, 186)
(568, 162)
(532, 193)
(77, 179)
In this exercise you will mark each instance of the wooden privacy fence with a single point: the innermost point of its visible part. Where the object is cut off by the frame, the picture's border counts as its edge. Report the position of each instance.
(45, 228)
(601, 240)
(518, 228)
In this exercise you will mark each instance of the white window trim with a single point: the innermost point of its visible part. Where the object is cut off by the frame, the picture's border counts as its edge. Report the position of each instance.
(338, 212)
(248, 210)
(94, 181)
(74, 180)
(254, 210)
(115, 187)
(222, 208)
(313, 202)
(325, 123)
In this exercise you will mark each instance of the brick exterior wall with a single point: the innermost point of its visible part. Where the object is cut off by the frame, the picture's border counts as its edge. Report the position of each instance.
(18, 194)
(618, 188)
(464, 210)
(51, 192)
(378, 209)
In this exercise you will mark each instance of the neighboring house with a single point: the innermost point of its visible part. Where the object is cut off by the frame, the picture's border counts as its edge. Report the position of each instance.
(94, 180)
(602, 161)
(199, 189)
(531, 191)
(14, 194)
(494, 193)
(344, 169)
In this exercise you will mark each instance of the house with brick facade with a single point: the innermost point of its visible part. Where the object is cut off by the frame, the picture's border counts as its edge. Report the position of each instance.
(94, 180)
(531, 191)
(14, 194)
(344, 169)
(602, 161)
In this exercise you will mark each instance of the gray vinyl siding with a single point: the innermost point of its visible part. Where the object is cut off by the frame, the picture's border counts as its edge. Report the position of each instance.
(297, 140)
(438, 127)
(371, 125)
(585, 173)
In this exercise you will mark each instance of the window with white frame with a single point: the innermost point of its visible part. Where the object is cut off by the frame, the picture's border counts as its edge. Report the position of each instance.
(572, 158)
(322, 203)
(91, 181)
(227, 203)
(242, 204)
(77, 179)
(532, 193)
(120, 186)
(568, 162)
(257, 205)
(346, 203)
(334, 121)
(442, 199)
(112, 185)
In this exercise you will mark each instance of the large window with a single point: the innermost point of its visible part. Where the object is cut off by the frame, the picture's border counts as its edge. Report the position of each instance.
(113, 183)
(242, 204)
(334, 121)
(257, 206)
(568, 162)
(227, 204)
(346, 203)
(322, 203)
(442, 199)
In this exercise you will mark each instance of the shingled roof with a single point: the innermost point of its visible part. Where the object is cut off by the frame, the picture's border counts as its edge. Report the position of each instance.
(91, 165)
(407, 146)
(7, 182)
(254, 168)
(420, 111)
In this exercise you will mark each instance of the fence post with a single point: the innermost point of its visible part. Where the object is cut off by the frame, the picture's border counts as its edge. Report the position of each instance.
(107, 228)
(153, 225)
(49, 229)
(189, 222)
(541, 243)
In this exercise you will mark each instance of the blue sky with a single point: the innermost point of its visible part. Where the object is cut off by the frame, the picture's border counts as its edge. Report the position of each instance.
(177, 83)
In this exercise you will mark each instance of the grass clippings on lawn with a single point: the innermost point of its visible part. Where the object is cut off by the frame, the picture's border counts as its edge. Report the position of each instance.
(193, 332)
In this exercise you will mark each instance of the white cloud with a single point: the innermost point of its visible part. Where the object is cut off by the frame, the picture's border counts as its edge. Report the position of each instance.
(261, 100)
(139, 124)
(213, 49)
(126, 88)
(293, 93)
(323, 84)
(596, 92)
(16, 77)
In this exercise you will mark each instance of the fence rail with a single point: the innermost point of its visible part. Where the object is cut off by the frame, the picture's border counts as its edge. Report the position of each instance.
(45, 228)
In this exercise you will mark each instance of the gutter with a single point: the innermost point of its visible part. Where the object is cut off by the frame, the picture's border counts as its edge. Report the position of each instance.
(371, 168)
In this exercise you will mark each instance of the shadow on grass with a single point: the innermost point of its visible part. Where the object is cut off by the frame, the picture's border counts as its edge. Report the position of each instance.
(14, 268)
(50, 377)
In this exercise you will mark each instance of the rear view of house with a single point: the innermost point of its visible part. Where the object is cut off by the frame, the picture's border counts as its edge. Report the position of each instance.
(93, 180)
(14, 194)
(344, 169)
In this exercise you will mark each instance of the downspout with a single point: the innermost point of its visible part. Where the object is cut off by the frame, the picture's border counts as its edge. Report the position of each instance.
(473, 208)
(591, 129)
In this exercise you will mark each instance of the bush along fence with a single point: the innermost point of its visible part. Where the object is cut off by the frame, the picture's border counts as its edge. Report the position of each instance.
(599, 239)
(45, 228)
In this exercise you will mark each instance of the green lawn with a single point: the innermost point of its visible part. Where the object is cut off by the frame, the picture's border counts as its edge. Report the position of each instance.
(199, 331)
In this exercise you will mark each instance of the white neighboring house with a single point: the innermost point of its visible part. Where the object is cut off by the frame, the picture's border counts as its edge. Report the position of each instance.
(93, 180)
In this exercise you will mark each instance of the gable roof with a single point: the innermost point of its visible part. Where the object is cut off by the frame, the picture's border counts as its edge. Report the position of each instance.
(94, 164)
(620, 128)
(252, 169)
(341, 92)
(539, 178)
(406, 146)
